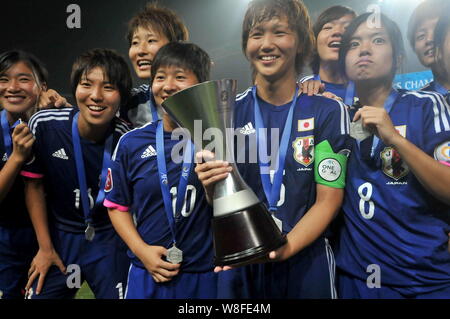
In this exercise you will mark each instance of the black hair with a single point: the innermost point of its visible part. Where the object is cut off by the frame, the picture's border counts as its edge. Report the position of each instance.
(114, 67)
(428, 9)
(298, 19)
(185, 55)
(12, 57)
(328, 15)
(440, 34)
(392, 29)
(161, 19)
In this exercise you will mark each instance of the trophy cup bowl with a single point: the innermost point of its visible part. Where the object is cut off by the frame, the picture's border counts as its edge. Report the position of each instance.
(243, 228)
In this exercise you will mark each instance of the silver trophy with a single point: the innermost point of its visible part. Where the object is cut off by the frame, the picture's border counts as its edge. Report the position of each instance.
(243, 228)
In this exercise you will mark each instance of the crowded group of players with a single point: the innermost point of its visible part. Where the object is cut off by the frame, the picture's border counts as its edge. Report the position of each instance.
(94, 184)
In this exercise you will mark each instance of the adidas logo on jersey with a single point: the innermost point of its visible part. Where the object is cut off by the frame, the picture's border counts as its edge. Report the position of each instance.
(61, 153)
(150, 151)
(247, 129)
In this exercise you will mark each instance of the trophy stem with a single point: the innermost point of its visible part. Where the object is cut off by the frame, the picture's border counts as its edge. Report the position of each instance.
(243, 228)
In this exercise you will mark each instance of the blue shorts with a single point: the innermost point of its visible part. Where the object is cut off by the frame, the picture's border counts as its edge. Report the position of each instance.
(309, 274)
(350, 287)
(103, 263)
(141, 285)
(18, 246)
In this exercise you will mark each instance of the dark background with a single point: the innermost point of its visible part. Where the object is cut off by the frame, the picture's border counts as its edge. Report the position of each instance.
(40, 27)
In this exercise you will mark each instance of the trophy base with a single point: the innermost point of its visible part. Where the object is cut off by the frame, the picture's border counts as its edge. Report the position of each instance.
(242, 237)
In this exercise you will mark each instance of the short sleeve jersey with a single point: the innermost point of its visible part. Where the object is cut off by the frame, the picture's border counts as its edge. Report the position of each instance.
(315, 119)
(55, 163)
(140, 108)
(391, 220)
(135, 188)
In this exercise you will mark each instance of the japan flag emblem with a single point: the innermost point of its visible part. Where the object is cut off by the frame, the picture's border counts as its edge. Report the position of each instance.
(109, 181)
(306, 125)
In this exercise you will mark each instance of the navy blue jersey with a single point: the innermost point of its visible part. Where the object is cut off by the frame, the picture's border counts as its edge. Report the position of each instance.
(138, 110)
(13, 211)
(391, 220)
(55, 162)
(136, 188)
(337, 89)
(315, 119)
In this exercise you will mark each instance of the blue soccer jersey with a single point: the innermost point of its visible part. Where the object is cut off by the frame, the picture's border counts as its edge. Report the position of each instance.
(55, 163)
(339, 90)
(18, 243)
(141, 108)
(392, 223)
(135, 187)
(434, 86)
(315, 119)
(310, 273)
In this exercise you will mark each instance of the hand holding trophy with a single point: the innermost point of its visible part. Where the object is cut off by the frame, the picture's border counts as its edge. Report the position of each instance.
(243, 229)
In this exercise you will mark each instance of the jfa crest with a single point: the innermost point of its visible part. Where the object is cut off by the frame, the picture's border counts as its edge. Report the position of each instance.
(109, 181)
(304, 150)
(393, 165)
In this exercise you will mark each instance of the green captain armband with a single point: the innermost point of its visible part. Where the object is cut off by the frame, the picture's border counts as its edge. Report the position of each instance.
(329, 168)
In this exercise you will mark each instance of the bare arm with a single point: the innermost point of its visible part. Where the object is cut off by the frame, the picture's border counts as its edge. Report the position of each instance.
(151, 256)
(46, 256)
(434, 176)
(313, 223)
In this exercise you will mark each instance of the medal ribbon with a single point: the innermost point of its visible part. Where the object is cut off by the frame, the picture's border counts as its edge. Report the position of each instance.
(151, 106)
(188, 157)
(272, 191)
(7, 140)
(81, 173)
(388, 104)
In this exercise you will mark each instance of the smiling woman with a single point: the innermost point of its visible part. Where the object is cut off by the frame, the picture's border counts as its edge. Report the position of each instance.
(277, 39)
(22, 79)
(73, 148)
(148, 31)
(328, 30)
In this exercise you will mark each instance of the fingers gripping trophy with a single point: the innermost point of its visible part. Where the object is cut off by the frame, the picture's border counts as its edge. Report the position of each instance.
(243, 229)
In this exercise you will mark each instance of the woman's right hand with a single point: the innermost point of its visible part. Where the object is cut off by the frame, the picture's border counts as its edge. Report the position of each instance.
(312, 87)
(152, 258)
(210, 171)
(23, 140)
(40, 265)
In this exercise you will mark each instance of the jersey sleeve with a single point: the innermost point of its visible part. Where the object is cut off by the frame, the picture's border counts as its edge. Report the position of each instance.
(436, 126)
(35, 168)
(117, 186)
(334, 126)
(332, 145)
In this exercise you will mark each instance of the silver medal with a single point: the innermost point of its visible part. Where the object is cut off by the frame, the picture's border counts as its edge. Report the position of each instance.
(174, 255)
(358, 132)
(89, 232)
